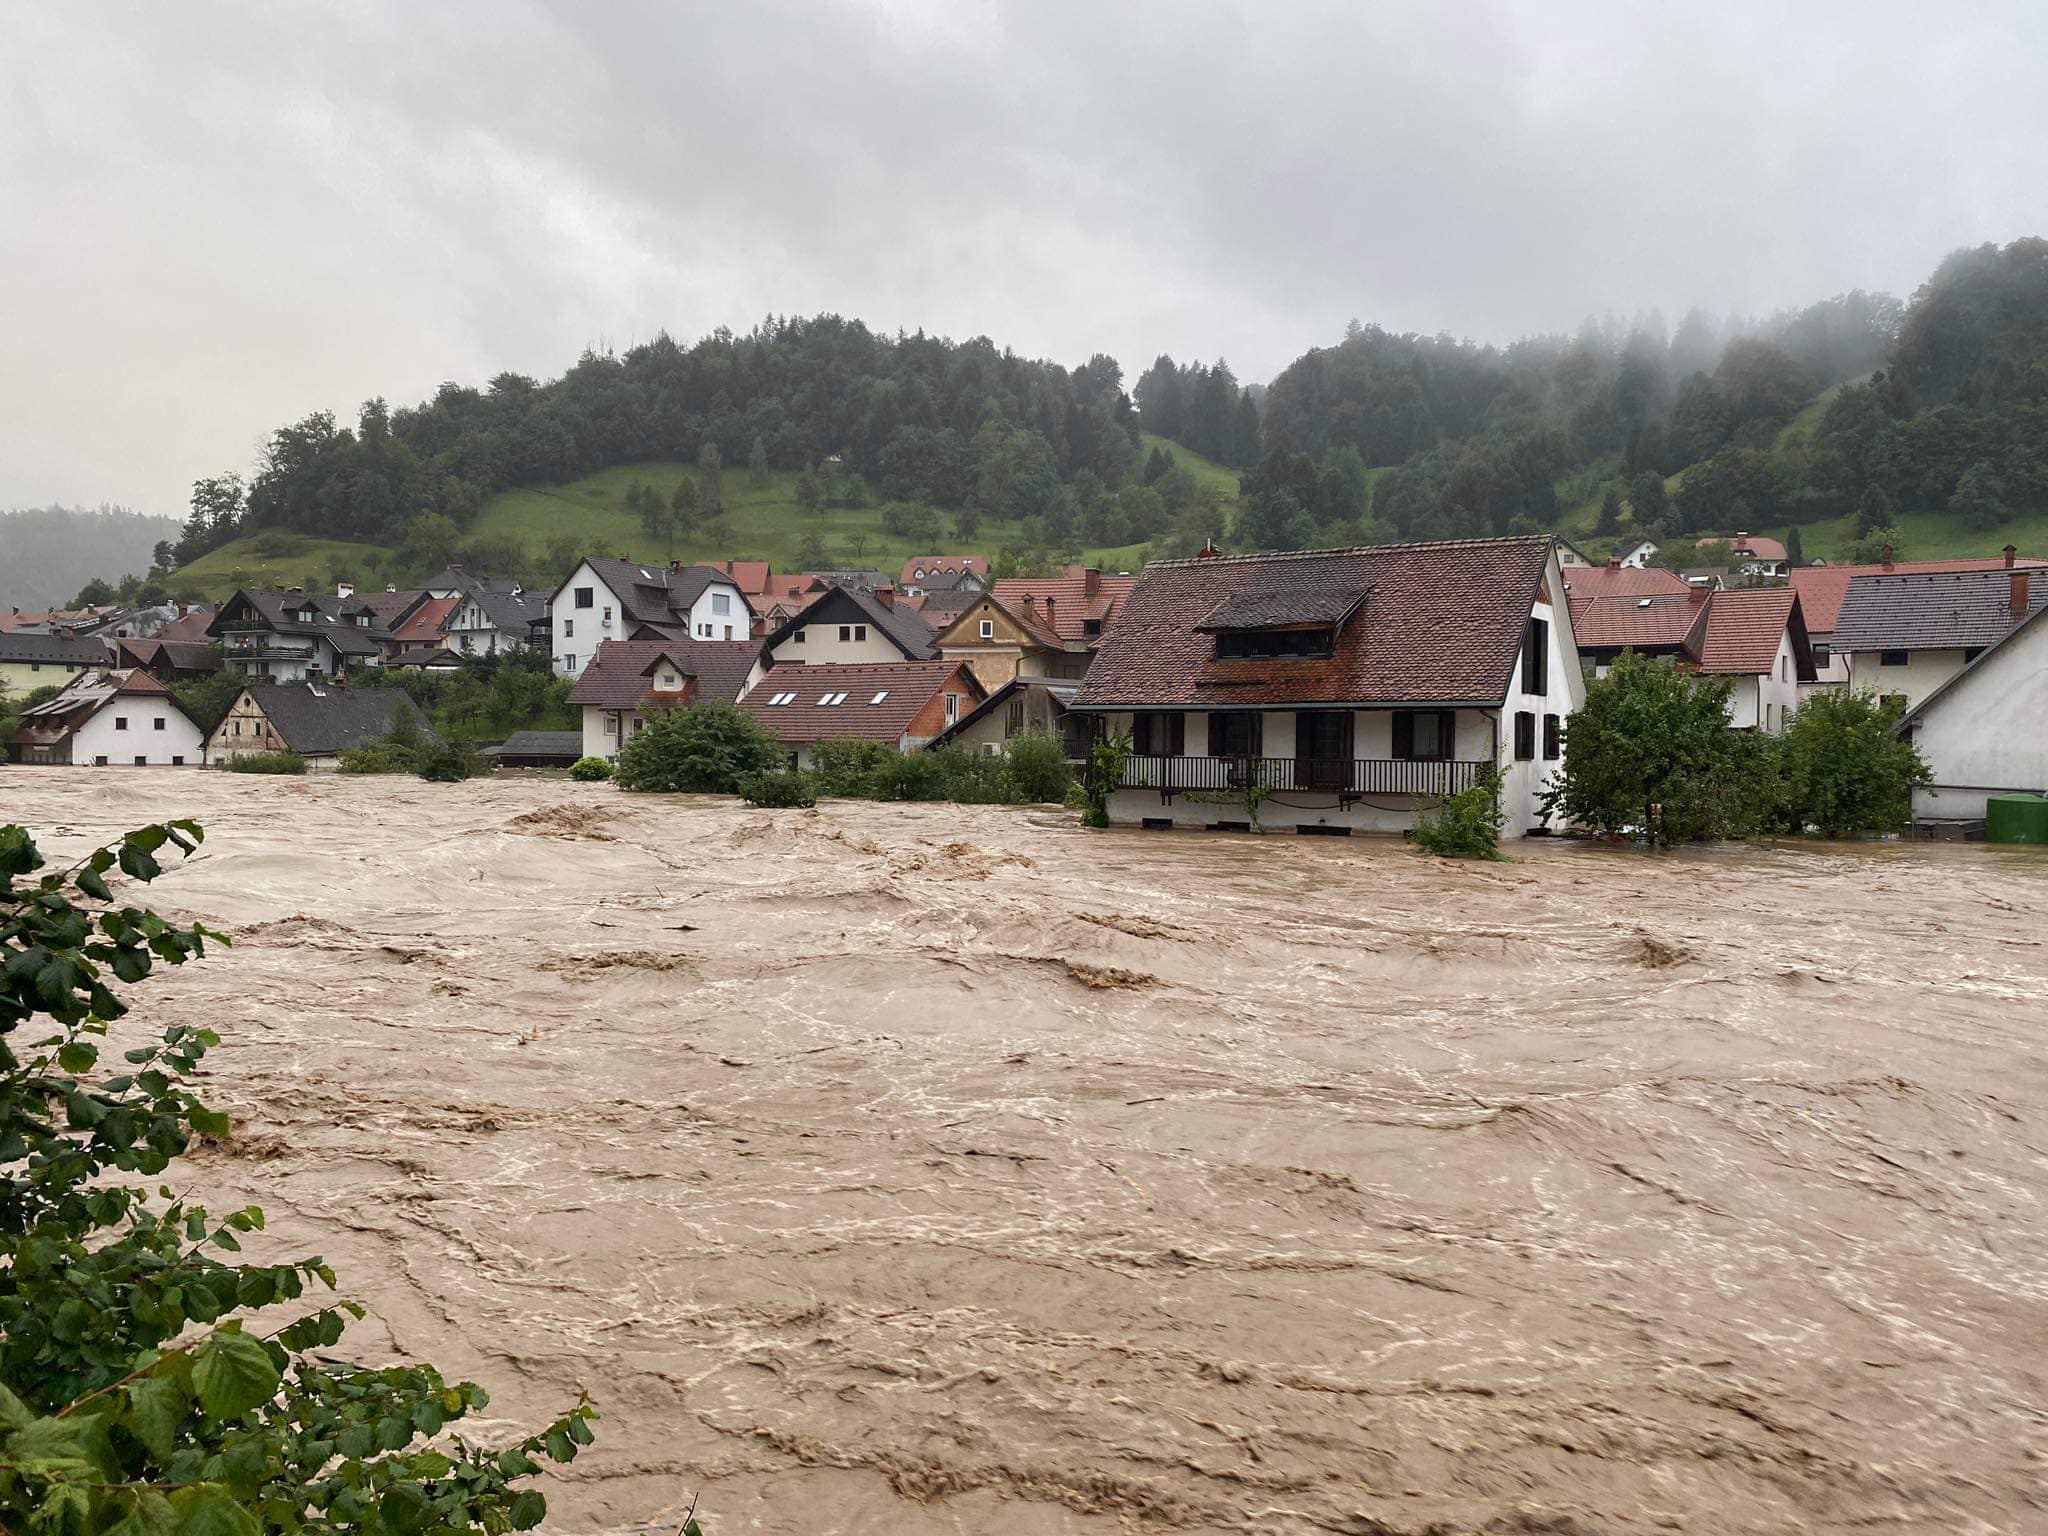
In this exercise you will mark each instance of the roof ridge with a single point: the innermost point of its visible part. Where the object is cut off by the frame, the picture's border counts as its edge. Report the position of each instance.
(1351, 549)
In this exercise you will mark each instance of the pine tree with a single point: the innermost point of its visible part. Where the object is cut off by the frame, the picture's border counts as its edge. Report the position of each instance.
(1609, 523)
(757, 463)
(1795, 550)
(711, 481)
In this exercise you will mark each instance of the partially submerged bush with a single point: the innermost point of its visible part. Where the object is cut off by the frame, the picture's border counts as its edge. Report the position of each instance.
(450, 762)
(707, 748)
(1845, 772)
(1464, 826)
(1038, 764)
(911, 776)
(850, 768)
(1107, 758)
(783, 789)
(977, 778)
(590, 770)
(266, 762)
(143, 1388)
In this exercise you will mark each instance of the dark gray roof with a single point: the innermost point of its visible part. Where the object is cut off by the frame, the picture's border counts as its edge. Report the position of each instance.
(335, 618)
(849, 605)
(57, 648)
(319, 719)
(565, 746)
(1931, 610)
(654, 594)
(508, 605)
(1326, 603)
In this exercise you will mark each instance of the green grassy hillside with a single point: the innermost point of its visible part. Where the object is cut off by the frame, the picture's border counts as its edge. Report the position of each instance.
(761, 522)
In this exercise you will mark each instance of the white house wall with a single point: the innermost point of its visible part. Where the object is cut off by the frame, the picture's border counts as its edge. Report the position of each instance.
(821, 643)
(1924, 671)
(1989, 734)
(578, 632)
(720, 613)
(101, 737)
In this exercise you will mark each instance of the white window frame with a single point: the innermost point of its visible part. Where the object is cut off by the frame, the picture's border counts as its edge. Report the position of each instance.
(988, 629)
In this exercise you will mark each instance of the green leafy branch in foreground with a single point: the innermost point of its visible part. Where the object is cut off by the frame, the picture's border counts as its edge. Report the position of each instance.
(135, 1396)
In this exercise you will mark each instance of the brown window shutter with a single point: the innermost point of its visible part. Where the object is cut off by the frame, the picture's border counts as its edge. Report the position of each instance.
(1177, 735)
(1215, 734)
(1447, 733)
(1404, 734)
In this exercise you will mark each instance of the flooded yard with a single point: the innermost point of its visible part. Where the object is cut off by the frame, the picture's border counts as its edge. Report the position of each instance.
(935, 1169)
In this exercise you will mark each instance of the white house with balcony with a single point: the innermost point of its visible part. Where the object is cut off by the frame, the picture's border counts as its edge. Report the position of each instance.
(295, 637)
(624, 600)
(1338, 691)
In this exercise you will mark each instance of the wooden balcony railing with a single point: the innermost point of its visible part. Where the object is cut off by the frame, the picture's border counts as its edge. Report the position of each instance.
(1433, 779)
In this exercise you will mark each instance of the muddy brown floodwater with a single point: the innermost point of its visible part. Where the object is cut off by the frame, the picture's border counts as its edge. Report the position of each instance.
(927, 1169)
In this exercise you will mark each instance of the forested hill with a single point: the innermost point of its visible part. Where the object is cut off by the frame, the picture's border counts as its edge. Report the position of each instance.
(1847, 420)
(48, 553)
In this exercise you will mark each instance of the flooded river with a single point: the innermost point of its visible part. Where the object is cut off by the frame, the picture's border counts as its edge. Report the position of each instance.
(928, 1169)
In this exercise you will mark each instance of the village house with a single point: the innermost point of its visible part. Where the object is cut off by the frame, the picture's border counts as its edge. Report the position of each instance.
(470, 615)
(1035, 627)
(293, 637)
(169, 661)
(623, 600)
(1822, 588)
(1756, 638)
(1571, 557)
(942, 573)
(29, 660)
(1636, 556)
(1984, 731)
(1757, 556)
(1023, 705)
(319, 721)
(538, 749)
(121, 718)
(845, 624)
(904, 703)
(1339, 690)
(628, 681)
(1907, 633)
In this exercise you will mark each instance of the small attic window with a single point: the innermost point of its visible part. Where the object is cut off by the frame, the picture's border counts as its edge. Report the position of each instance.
(1273, 644)
(782, 698)
(879, 697)
(833, 698)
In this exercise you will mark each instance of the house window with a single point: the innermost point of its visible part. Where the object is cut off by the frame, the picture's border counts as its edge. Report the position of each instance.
(860, 631)
(177, 761)
(568, 629)
(1551, 733)
(568, 661)
(721, 603)
(728, 631)
(638, 725)
(99, 762)
(1249, 644)
(1424, 735)
(607, 613)
(586, 597)
(611, 725)
(988, 629)
(1891, 658)
(120, 722)
(952, 707)
(159, 725)
(1536, 658)
(1151, 735)
(1236, 733)
(799, 637)
(668, 679)
(1013, 717)
(1525, 735)
(1091, 627)
(879, 696)
(238, 727)
(141, 762)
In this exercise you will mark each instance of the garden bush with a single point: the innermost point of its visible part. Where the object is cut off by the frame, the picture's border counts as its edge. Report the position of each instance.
(782, 789)
(850, 768)
(266, 762)
(1845, 772)
(911, 776)
(590, 770)
(1464, 826)
(707, 748)
(1038, 764)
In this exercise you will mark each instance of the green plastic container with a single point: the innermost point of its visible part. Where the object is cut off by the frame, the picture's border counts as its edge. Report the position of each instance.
(2016, 819)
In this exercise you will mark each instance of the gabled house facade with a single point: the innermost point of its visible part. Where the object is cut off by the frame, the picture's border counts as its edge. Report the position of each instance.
(1756, 638)
(1984, 732)
(942, 573)
(629, 681)
(903, 703)
(30, 660)
(624, 600)
(319, 721)
(121, 718)
(846, 625)
(295, 637)
(1904, 634)
(1823, 589)
(1344, 690)
(1022, 706)
(1000, 644)
(169, 661)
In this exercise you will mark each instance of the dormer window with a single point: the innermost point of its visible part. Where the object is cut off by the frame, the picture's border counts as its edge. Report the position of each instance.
(668, 681)
(1274, 644)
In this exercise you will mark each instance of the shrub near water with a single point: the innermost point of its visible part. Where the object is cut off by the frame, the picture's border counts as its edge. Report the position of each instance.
(707, 748)
(1038, 762)
(147, 1388)
(850, 768)
(266, 762)
(1845, 772)
(1465, 826)
(590, 770)
(785, 789)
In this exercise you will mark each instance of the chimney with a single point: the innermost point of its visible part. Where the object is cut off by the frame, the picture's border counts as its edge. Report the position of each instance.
(1699, 591)
(1048, 608)
(1028, 604)
(1885, 555)
(344, 589)
(886, 596)
(675, 566)
(1614, 562)
(455, 564)
(2019, 595)
(2011, 553)
(1091, 581)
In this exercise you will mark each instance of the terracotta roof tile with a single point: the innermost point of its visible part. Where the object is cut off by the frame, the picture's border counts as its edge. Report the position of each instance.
(1440, 623)
(422, 627)
(1744, 627)
(904, 687)
(616, 677)
(1073, 605)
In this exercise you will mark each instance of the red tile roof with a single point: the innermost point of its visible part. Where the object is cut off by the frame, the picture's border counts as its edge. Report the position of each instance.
(751, 576)
(1596, 581)
(919, 567)
(1744, 626)
(616, 677)
(1821, 588)
(423, 625)
(1751, 547)
(190, 626)
(1072, 603)
(907, 687)
(1441, 623)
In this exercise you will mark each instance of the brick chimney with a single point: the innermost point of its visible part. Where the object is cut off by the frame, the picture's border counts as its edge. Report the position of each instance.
(1614, 562)
(1699, 591)
(886, 596)
(2011, 553)
(1048, 608)
(2019, 595)
(344, 589)
(1208, 551)
(1885, 555)
(1091, 581)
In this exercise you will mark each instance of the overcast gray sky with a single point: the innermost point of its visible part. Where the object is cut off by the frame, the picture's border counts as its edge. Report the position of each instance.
(215, 218)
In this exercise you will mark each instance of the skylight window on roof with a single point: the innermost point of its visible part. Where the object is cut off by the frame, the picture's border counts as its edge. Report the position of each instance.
(782, 698)
(879, 697)
(834, 698)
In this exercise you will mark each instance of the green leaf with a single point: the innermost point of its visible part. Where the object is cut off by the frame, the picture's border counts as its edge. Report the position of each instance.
(356, 1442)
(156, 1407)
(206, 1510)
(78, 1057)
(90, 882)
(527, 1511)
(50, 1449)
(232, 1373)
(149, 1514)
(209, 1122)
